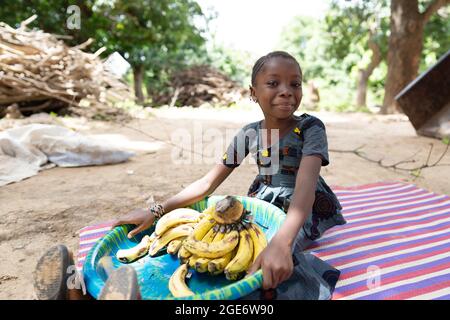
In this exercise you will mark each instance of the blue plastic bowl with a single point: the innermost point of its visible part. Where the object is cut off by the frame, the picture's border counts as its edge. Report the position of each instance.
(154, 272)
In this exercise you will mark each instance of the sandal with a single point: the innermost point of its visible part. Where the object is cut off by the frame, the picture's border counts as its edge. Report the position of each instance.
(50, 275)
(121, 285)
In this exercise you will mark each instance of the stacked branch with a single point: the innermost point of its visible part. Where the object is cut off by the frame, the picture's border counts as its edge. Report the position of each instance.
(201, 84)
(38, 72)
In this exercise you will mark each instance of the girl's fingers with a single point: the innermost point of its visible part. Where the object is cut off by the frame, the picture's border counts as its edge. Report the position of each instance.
(117, 223)
(255, 266)
(136, 230)
(267, 278)
(124, 220)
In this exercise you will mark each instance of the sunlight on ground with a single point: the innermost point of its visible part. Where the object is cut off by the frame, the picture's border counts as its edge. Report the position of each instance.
(124, 143)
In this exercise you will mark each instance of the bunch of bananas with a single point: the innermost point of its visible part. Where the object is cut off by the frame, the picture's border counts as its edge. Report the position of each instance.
(224, 241)
(221, 239)
(169, 233)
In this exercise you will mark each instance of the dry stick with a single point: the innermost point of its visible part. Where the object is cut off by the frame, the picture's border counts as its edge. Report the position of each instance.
(24, 23)
(395, 165)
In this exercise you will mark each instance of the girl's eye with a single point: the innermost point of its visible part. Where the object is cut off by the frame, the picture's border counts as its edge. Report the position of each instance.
(297, 85)
(272, 83)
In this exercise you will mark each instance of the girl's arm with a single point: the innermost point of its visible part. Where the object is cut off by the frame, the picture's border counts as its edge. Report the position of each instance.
(198, 189)
(276, 259)
(191, 194)
(302, 200)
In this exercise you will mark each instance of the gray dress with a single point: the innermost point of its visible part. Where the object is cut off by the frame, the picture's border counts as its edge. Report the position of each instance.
(278, 166)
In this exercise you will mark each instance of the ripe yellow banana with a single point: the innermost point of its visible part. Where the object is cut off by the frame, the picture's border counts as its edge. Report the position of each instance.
(174, 245)
(213, 249)
(174, 218)
(177, 283)
(210, 210)
(217, 265)
(260, 233)
(258, 238)
(183, 254)
(140, 250)
(243, 258)
(174, 233)
(219, 234)
(201, 264)
(209, 236)
(191, 261)
(202, 228)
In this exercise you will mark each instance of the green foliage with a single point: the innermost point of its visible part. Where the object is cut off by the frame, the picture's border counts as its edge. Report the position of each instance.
(303, 38)
(446, 140)
(332, 50)
(235, 64)
(349, 26)
(164, 36)
(436, 40)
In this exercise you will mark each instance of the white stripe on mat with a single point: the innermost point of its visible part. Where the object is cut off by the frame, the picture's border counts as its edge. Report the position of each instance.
(393, 254)
(398, 205)
(386, 223)
(401, 212)
(432, 295)
(343, 232)
(86, 233)
(385, 232)
(84, 250)
(384, 201)
(368, 194)
(89, 241)
(393, 285)
(382, 244)
(367, 275)
(345, 203)
(370, 189)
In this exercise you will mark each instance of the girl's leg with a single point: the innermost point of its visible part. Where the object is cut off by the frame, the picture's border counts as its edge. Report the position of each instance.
(53, 271)
(52, 274)
(122, 284)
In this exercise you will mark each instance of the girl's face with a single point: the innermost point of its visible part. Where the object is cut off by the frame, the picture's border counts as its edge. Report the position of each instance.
(278, 88)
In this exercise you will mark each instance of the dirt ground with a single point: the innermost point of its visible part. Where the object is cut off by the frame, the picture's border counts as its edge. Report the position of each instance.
(52, 206)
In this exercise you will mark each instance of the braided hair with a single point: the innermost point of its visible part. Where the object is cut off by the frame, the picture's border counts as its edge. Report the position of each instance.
(261, 61)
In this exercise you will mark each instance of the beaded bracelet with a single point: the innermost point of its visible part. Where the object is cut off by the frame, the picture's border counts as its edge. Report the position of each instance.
(157, 210)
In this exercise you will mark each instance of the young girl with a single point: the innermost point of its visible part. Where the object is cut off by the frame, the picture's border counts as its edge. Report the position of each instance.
(288, 178)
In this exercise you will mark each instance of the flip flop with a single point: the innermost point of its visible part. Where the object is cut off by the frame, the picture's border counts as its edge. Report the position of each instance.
(50, 275)
(122, 284)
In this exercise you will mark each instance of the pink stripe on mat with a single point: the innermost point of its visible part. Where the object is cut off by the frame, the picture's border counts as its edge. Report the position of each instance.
(395, 245)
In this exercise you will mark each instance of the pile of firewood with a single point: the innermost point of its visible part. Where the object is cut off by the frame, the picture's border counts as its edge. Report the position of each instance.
(199, 85)
(38, 72)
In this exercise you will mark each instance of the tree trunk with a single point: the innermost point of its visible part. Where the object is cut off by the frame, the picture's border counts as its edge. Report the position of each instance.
(364, 74)
(405, 48)
(138, 75)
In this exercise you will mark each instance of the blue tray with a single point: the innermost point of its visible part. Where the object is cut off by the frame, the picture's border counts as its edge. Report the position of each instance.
(154, 272)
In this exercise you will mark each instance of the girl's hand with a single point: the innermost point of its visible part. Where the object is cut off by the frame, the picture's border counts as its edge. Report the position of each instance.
(140, 217)
(276, 263)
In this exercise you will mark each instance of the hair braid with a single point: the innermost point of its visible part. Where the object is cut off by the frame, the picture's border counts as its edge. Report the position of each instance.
(261, 61)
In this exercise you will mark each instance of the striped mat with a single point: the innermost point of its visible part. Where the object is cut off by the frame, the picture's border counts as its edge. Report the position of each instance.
(395, 245)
